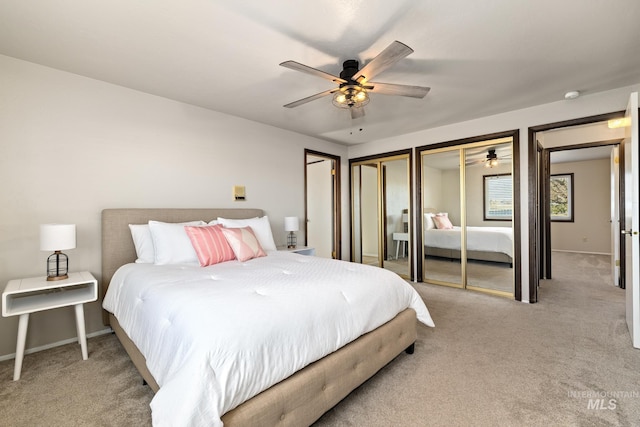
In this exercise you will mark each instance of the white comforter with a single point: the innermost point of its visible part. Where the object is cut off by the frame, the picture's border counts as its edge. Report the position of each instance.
(489, 239)
(216, 336)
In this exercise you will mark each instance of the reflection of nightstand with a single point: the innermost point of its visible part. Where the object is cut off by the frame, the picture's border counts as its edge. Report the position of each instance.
(24, 296)
(302, 250)
(401, 239)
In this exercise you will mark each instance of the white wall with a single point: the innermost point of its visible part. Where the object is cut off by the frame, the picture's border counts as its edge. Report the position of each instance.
(433, 197)
(450, 202)
(587, 105)
(591, 229)
(72, 146)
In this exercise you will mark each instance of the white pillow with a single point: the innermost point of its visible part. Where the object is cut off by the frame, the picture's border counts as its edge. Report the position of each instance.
(260, 226)
(142, 241)
(428, 221)
(172, 244)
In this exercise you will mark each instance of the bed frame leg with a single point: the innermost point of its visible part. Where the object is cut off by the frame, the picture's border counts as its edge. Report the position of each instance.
(410, 349)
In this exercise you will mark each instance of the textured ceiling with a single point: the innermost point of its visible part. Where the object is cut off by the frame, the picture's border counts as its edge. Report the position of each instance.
(479, 57)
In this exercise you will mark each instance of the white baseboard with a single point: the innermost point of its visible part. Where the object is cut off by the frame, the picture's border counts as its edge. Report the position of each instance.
(55, 344)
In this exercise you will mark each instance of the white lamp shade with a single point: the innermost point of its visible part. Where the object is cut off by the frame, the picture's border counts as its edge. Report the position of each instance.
(291, 223)
(57, 237)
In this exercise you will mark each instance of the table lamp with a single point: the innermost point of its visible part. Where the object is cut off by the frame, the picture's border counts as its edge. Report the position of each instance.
(291, 225)
(57, 238)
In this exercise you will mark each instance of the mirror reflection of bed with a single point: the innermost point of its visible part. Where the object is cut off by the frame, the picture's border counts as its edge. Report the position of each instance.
(447, 205)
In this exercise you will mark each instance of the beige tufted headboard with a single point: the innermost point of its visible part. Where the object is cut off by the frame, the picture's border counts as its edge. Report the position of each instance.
(117, 244)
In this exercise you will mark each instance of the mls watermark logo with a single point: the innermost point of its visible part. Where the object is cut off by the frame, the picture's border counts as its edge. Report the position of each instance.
(610, 404)
(603, 400)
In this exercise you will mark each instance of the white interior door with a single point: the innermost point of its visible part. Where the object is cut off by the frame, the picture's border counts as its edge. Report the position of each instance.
(615, 216)
(632, 220)
(320, 206)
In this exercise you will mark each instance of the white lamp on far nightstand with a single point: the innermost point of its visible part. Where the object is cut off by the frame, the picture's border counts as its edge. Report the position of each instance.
(291, 225)
(57, 238)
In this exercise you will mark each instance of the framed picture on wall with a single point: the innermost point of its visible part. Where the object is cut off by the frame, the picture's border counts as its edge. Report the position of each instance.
(561, 197)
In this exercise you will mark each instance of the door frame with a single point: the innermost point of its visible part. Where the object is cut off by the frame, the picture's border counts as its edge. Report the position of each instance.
(379, 158)
(336, 200)
(537, 217)
(630, 199)
(546, 201)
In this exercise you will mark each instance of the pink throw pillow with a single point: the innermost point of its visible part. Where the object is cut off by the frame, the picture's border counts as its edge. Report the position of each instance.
(442, 222)
(210, 244)
(244, 243)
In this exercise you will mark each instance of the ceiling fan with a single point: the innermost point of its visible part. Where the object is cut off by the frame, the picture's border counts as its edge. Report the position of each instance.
(490, 161)
(354, 85)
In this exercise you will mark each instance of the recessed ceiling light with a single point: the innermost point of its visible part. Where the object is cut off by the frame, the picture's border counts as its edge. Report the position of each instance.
(573, 94)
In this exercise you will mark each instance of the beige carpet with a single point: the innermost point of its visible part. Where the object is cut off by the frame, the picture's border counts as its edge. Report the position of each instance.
(489, 362)
(497, 276)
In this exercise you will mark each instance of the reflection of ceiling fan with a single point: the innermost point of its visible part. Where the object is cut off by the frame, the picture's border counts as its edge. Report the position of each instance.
(490, 161)
(355, 85)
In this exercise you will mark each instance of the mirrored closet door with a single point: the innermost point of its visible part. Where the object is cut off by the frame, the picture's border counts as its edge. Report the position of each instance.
(380, 196)
(467, 206)
(441, 202)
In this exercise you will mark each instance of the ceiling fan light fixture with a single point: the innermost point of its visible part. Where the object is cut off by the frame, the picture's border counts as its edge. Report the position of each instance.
(492, 159)
(351, 96)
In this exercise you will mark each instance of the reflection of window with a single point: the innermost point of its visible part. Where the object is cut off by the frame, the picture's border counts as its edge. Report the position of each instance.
(561, 197)
(498, 199)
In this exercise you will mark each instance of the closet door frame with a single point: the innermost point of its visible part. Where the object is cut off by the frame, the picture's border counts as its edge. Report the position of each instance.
(516, 224)
(379, 159)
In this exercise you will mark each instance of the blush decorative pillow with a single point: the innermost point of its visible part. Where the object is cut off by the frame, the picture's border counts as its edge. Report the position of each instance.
(442, 222)
(260, 226)
(244, 243)
(428, 221)
(210, 244)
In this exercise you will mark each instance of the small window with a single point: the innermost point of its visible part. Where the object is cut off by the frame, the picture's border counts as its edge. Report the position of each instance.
(561, 197)
(498, 197)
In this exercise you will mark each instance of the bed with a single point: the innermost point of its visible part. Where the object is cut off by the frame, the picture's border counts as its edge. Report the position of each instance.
(493, 244)
(317, 383)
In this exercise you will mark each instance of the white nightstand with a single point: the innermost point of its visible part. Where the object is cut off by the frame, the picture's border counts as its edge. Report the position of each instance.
(24, 296)
(401, 239)
(302, 250)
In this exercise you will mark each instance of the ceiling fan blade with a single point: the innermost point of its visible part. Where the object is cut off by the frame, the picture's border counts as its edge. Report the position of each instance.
(401, 90)
(311, 98)
(313, 71)
(357, 112)
(392, 54)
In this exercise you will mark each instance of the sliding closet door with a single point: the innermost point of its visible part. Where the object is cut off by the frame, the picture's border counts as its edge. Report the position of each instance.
(380, 196)
(441, 208)
(395, 207)
(489, 213)
(366, 241)
(467, 216)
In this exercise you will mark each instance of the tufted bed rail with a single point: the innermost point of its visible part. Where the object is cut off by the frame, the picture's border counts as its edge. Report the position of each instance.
(303, 397)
